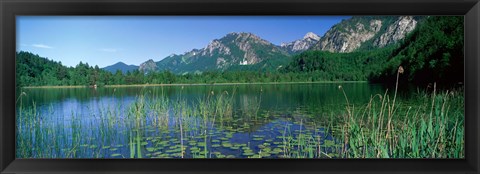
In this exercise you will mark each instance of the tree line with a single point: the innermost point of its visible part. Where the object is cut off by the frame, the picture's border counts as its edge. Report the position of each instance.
(33, 70)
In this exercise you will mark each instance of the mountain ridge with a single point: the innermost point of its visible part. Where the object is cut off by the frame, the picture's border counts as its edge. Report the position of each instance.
(233, 49)
(366, 32)
(120, 66)
(302, 44)
(243, 50)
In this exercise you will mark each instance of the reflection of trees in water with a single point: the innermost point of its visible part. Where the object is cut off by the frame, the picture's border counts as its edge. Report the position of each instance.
(250, 105)
(253, 107)
(273, 94)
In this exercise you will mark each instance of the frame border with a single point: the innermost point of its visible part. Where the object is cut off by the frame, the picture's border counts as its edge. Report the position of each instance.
(470, 9)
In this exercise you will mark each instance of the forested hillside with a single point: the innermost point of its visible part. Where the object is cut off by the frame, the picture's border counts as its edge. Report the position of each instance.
(354, 66)
(33, 70)
(433, 52)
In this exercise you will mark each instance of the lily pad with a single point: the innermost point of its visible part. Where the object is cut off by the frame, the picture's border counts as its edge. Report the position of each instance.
(150, 149)
(248, 153)
(105, 147)
(195, 149)
(226, 144)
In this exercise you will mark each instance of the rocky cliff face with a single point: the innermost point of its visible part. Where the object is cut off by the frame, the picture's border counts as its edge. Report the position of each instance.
(309, 40)
(397, 31)
(354, 33)
(234, 49)
(148, 66)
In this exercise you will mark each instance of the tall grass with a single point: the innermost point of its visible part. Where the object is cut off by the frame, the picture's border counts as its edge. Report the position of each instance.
(382, 129)
(431, 126)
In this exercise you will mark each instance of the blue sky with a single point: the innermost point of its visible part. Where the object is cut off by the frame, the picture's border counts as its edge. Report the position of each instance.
(105, 40)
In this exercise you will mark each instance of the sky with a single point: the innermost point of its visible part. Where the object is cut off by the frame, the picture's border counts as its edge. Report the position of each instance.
(106, 40)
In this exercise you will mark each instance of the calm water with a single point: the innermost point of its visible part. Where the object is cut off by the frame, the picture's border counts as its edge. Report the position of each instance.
(265, 121)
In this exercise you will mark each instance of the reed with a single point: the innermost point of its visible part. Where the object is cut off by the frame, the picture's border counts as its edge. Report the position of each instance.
(430, 125)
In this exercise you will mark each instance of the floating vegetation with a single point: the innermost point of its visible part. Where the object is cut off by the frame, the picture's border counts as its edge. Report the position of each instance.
(150, 149)
(105, 147)
(218, 125)
(226, 144)
(116, 154)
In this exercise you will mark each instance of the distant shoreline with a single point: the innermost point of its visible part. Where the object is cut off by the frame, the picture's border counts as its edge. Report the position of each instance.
(194, 84)
(55, 87)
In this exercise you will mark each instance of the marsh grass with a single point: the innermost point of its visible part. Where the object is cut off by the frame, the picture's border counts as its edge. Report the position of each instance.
(382, 129)
(430, 125)
(431, 130)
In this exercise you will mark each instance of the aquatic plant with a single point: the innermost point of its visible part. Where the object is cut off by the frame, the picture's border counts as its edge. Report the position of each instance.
(428, 125)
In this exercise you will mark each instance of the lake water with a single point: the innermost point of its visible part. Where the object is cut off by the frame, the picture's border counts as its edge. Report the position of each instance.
(204, 121)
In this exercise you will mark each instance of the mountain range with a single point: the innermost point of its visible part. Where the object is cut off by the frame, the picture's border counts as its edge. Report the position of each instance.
(247, 51)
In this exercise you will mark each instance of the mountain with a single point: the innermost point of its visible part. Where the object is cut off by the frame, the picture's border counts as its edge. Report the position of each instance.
(430, 53)
(303, 44)
(246, 51)
(235, 51)
(366, 32)
(120, 66)
(400, 28)
(148, 66)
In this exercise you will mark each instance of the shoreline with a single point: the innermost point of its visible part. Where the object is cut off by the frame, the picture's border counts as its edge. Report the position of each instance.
(196, 84)
(31, 87)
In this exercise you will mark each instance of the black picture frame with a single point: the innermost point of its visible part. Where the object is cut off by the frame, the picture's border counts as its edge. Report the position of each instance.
(10, 8)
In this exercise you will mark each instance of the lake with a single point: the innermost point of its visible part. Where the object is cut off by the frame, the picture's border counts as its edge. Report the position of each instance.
(191, 121)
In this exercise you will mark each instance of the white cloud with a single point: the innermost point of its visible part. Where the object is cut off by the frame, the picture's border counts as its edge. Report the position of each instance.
(42, 46)
(111, 50)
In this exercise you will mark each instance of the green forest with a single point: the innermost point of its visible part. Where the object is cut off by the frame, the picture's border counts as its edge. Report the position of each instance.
(433, 52)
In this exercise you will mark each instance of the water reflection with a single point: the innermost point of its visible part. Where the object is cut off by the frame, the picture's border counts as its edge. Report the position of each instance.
(282, 120)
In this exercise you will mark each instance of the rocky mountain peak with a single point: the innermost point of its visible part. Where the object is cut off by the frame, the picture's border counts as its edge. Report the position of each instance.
(311, 35)
(353, 33)
(243, 37)
(212, 47)
(400, 28)
(309, 40)
(235, 49)
(148, 66)
(241, 34)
